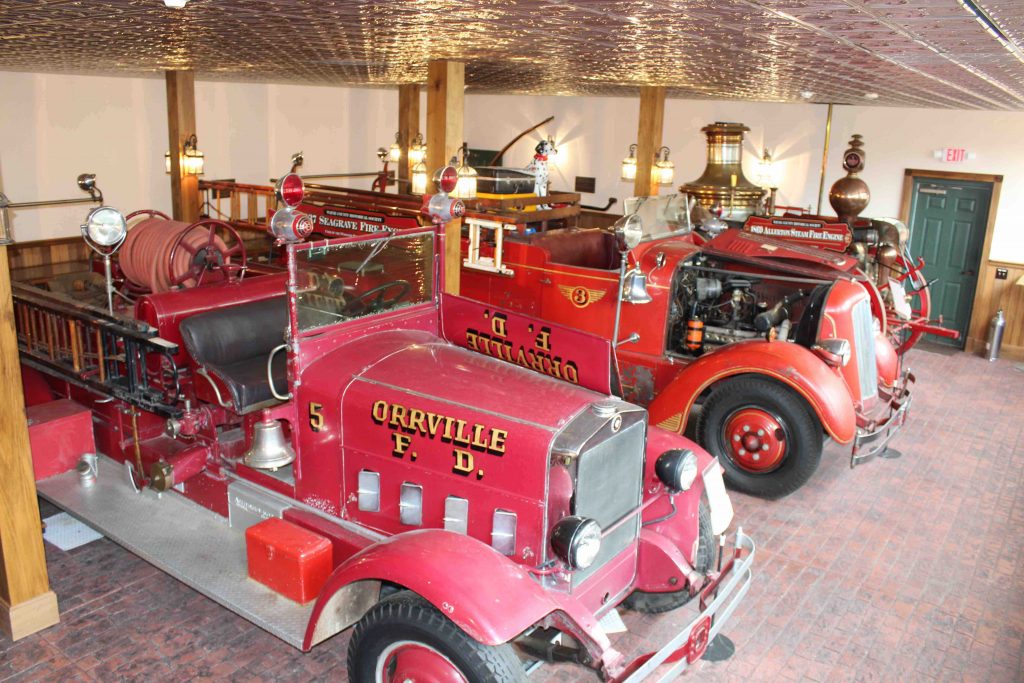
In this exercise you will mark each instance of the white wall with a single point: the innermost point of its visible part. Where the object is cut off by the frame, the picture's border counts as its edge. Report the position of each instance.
(53, 127)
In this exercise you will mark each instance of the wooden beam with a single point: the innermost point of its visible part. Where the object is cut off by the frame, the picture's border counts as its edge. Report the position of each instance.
(445, 105)
(27, 604)
(648, 138)
(181, 123)
(408, 127)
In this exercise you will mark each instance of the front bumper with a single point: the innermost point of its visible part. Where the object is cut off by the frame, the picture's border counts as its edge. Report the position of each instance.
(718, 600)
(872, 440)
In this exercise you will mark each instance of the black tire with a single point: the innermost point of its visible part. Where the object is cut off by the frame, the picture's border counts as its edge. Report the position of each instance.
(406, 616)
(656, 603)
(802, 434)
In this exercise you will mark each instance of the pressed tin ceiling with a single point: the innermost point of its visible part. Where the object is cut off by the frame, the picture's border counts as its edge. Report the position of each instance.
(918, 53)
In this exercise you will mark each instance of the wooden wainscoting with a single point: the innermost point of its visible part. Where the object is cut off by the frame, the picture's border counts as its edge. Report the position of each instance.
(46, 258)
(992, 295)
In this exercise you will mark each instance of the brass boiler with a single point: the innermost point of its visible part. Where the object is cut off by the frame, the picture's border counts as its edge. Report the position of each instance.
(723, 189)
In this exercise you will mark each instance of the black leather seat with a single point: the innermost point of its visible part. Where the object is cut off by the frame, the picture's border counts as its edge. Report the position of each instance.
(233, 345)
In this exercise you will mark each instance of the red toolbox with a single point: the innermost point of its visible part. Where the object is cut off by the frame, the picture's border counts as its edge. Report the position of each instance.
(59, 433)
(291, 560)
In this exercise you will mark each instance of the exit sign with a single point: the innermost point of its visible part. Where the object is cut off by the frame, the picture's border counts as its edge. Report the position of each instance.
(953, 154)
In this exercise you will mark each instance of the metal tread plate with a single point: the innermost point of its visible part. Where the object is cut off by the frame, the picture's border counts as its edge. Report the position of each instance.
(192, 544)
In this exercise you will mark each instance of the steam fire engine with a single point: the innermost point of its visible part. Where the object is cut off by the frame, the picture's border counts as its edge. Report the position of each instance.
(352, 452)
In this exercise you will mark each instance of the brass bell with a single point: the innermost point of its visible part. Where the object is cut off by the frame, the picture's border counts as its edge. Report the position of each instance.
(269, 449)
(634, 288)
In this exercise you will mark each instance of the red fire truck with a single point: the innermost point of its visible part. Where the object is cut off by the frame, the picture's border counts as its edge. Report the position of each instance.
(340, 434)
(770, 345)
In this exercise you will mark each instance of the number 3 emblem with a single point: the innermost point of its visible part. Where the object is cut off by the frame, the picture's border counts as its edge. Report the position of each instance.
(316, 417)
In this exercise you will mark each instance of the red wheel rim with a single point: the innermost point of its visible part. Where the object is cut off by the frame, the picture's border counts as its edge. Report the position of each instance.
(196, 256)
(756, 440)
(410, 662)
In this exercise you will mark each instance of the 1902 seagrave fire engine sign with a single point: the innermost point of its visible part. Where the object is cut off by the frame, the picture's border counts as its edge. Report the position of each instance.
(812, 232)
(335, 222)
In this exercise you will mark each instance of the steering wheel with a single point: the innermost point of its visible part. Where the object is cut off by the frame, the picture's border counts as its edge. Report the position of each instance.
(375, 299)
(203, 255)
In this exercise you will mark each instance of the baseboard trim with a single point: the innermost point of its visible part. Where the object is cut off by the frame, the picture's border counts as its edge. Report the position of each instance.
(30, 616)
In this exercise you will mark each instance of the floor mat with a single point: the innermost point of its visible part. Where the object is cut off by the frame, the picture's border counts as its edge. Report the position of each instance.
(67, 533)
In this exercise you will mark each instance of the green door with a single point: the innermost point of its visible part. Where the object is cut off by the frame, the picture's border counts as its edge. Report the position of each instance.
(947, 229)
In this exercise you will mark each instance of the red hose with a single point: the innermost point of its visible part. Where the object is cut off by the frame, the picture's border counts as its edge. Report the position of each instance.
(147, 250)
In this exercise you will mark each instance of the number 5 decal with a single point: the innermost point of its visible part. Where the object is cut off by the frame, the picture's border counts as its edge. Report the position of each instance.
(316, 417)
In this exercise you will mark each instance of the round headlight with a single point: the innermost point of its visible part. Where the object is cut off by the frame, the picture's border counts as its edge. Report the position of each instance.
(839, 347)
(577, 541)
(105, 226)
(677, 468)
(629, 230)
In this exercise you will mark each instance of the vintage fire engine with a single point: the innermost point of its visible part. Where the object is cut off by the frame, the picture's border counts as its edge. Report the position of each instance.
(356, 444)
(775, 342)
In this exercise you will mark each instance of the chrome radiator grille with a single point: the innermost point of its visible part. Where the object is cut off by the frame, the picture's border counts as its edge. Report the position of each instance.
(864, 348)
(608, 486)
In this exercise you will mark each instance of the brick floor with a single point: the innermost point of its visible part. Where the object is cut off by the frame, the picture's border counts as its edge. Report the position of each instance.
(899, 570)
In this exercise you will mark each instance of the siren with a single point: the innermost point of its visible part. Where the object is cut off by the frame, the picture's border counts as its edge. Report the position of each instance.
(441, 207)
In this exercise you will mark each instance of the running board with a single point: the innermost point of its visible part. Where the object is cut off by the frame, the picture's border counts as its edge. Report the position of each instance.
(192, 544)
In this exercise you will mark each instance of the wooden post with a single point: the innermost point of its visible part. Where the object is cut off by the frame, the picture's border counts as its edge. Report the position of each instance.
(27, 604)
(181, 123)
(445, 104)
(648, 138)
(408, 128)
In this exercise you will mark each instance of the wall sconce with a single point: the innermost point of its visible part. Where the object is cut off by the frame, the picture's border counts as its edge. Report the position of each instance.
(418, 152)
(664, 169)
(395, 150)
(466, 187)
(192, 160)
(419, 178)
(629, 164)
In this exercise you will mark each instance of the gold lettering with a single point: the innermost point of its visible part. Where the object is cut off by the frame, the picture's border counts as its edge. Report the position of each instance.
(433, 422)
(447, 435)
(471, 338)
(543, 340)
(380, 412)
(463, 462)
(416, 421)
(571, 373)
(499, 324)
(460, 433)
(401, 443)
(397, 417)
(497, 445)
(479, 442)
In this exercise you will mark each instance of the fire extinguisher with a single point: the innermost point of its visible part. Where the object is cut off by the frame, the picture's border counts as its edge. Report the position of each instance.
(695, 333)
(995, 335)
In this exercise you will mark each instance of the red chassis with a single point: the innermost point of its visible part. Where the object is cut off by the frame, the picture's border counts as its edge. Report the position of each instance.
(446, 481)
(771, 402)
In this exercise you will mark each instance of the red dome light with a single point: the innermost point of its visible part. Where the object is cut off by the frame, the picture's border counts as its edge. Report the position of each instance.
(447, 179)
(290, 189)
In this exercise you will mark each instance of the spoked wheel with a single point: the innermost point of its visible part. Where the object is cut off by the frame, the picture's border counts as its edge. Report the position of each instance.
(656, 603)
(915, 290)
(210, 251)
(764, 434)
(404, 638)
(377, 299)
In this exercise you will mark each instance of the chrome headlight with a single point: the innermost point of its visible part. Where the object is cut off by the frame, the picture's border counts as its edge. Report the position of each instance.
(629, 230)
(677, 469)
(577, 541)
(838, 347)
(105, 226)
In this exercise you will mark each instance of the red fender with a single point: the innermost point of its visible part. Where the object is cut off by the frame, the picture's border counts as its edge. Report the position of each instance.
(887, 361)
(791, 364)
(487, 595)
(668, 548)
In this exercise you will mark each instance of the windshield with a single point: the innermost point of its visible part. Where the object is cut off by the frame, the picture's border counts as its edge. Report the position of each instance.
(353, 279)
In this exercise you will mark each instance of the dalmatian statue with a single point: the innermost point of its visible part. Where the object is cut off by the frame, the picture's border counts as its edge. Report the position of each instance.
(539, 168)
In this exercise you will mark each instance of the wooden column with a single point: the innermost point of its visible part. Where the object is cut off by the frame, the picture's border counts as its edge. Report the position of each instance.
(27, 604)
(648, 138)
(445, 104)
(181, 123)
(408, 127)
